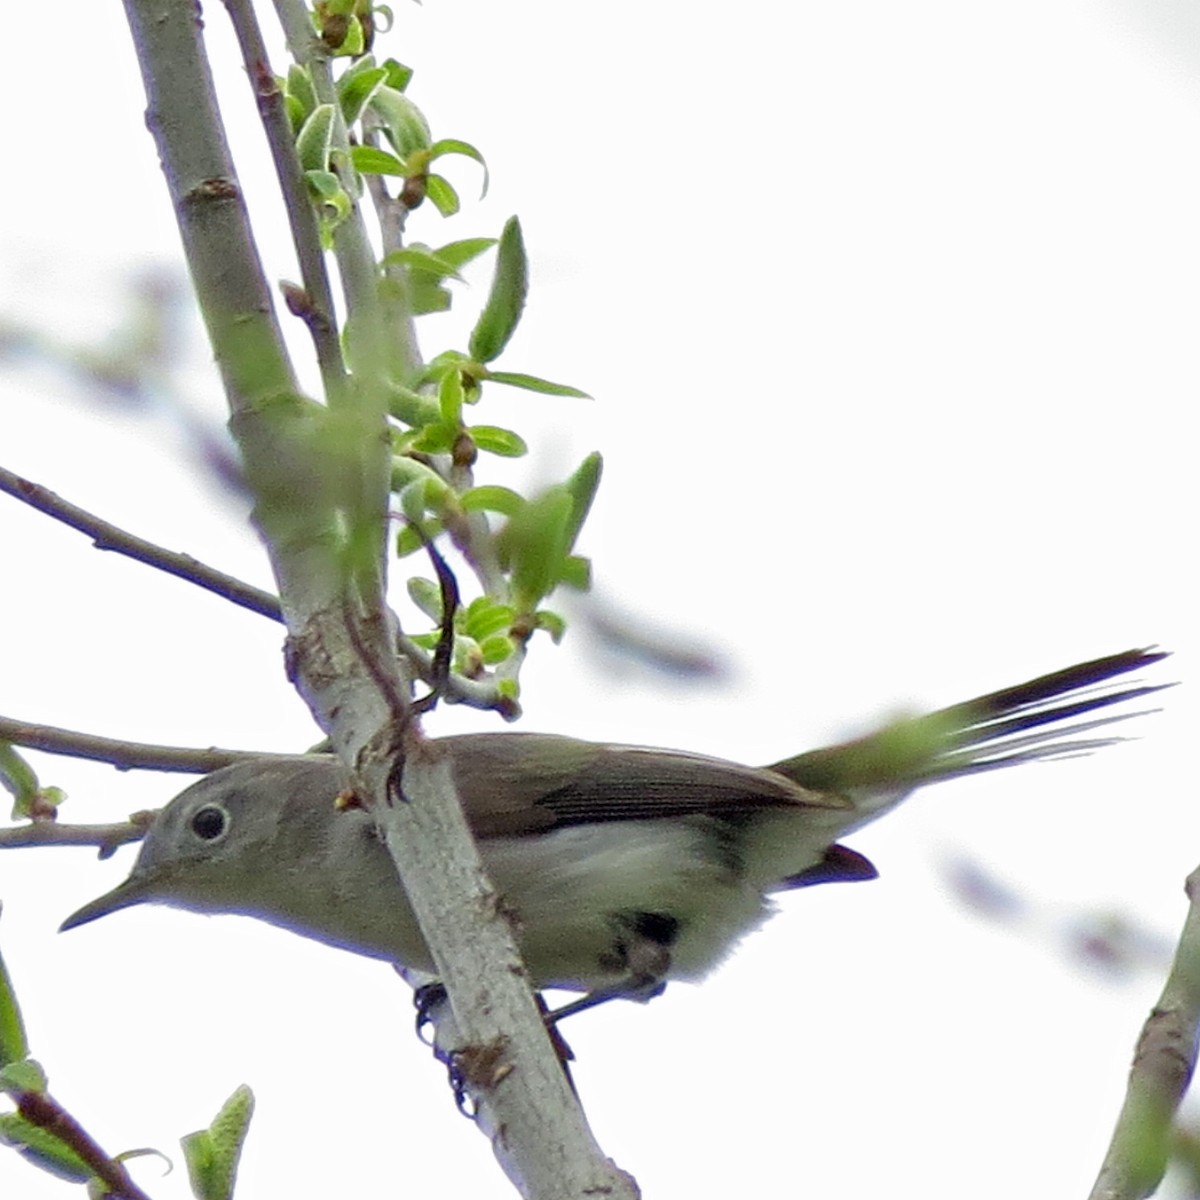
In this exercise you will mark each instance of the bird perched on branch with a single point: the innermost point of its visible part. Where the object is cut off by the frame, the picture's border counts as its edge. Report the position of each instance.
(623, 866)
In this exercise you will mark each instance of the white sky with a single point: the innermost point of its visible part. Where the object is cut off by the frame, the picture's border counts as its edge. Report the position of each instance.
(890, 315)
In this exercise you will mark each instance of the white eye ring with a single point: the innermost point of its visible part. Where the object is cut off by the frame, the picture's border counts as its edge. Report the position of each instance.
(209, 823)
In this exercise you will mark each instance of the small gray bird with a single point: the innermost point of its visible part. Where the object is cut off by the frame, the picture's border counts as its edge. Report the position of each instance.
(624, 866)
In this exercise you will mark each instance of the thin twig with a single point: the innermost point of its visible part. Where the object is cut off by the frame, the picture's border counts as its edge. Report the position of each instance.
(318, 313)
(377, 350)
(106, 838)
(1162, 1068)
(106, 536)
(125, 756)
(42, 1110)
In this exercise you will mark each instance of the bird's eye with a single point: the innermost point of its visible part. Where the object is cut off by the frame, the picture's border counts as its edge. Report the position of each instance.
(209, 822)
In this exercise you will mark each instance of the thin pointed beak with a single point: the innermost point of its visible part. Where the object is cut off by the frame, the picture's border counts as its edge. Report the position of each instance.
(134, 890)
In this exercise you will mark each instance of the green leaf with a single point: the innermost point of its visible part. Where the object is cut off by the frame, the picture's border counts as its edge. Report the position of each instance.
(450, 397)
(398, 74)
(370, 160)
(316, 138)
(440, 362)
(295, 114)
(582, 486)
(495, 650)
(354, 42)
(499, 441)
(407, 470)
(462, 252)
(328, 189)
(438, 438)
(413, 408)
(357, 85)
(43, 1149)
(426, 297)
(454, 146)
(23, 1075)
(403, 122)
(484, 617)
(576, 573)
(531, 383)
(442, 195)
(19, 779)
(212, 1154)
(427, 596)
(534, 544)
(408, 540)
(299, 91)
(14, 1045)
(421, 258)
(552, 623)
(510, 283)
(491, 497)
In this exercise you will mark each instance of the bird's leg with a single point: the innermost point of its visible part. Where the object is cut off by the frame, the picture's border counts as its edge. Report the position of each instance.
(641, 952)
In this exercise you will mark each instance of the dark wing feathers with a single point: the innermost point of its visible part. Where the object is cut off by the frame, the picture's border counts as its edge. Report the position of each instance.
(514, 783)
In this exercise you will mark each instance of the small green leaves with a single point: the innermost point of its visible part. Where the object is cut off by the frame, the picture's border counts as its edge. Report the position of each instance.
(450, 397)
(30, 799)
(403, 122)
(315, 139)
(43, 1149)
(370, 160)
(26, 1075)
(212, 1154)
(582, 487)
(531, 383)
(19, 779)
(459, 253)
(398, 75)
(427, 596)
(442, 195)
(426, 268)
(552, 623)
(491, 498)
(484, 618)
(536, 543)
(499, 441)
(455, 146)
(14, 1045)
(300, 97)
(408, 540)
(357, 85)
(421, 258)
(413, 408)
(506, 300)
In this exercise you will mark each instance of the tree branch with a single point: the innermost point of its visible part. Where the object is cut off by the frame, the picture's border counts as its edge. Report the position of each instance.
(318, 311)
(106, 536)
(125, 756)
(321, 478)
(42, 1110)
(1162, 1068)
(106, 838)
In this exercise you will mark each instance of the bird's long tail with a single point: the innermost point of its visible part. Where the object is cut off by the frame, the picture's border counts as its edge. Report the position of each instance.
(1049, 717)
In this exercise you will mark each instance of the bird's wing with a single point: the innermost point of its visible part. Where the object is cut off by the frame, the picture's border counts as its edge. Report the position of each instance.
(526, 783)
